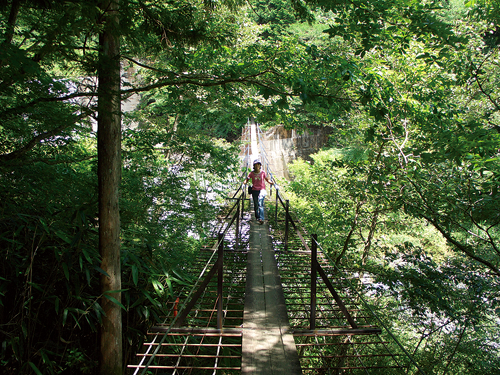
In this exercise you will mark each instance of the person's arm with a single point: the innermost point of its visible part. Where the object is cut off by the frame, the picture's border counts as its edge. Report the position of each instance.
(268, 181)
(248, 178)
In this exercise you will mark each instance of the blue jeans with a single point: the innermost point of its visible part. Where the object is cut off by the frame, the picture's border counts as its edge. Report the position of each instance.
(258, 204)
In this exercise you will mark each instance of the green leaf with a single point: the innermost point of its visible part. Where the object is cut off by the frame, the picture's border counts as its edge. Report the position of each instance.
(170, 287)
(99, 311)
(56, 305)
(65, 270)
(135, 274)
(37, 371)
(158, 287)
(65, 316)
(100, 270)
(148, 296)
(114, 300)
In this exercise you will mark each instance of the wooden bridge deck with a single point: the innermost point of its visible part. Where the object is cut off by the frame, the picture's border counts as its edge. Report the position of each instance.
(268, 346)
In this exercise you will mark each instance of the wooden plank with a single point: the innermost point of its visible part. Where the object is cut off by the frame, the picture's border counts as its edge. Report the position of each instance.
(268, 346)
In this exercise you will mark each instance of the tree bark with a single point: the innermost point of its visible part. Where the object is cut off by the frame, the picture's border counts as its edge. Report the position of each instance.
(350, 234)
(109, 174)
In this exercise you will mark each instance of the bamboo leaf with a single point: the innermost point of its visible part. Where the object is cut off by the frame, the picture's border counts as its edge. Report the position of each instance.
(65, 270)
(135, 274)
(37, 371)
(114, 300)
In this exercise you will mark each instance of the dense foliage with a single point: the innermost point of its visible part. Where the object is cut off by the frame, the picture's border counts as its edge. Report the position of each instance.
(172, 179)
(407, 193)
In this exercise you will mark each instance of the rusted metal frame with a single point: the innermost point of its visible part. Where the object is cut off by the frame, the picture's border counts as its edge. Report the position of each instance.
(314, 254)
(276, 212)
(231, 222)
(369, 308)
(392, 354)
(351, 356)
(158, 345)
(341, 343)
(324, 304)
(203, 337)
(226, 332)
(300, 235)
(232, 208)
(158, 367)
(334, 318)
(190, 344)
(390, 334)
(336, 332)
(316, 267)
(217, 267)
(228, 214)
(171, 355)
(287, 217)
(230, 310)
(220, 276)
(331, 311)
(336, 296)
(238, 231)
(227, 310)
(196, 295)
(238, 190)
(358, 358)
(344, 367)
(243, 198)
(217, 351)
(296, 286)
(184, 347)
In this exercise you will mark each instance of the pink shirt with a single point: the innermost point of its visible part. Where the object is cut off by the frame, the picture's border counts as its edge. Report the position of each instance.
(258, 180)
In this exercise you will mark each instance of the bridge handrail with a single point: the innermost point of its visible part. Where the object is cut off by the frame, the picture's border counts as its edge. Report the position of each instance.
(174, 321)
(193, 290)
(367, 305)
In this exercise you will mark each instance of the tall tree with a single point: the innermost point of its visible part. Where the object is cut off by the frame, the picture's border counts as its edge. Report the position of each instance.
(109, 173)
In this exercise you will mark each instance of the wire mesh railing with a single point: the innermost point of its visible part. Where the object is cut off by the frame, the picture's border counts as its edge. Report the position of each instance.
(191, 336)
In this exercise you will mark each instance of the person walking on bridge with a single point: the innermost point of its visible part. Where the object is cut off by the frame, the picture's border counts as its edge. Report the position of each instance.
(258, 189)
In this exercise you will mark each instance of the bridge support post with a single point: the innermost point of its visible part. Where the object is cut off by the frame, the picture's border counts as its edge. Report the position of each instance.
(238, 221)
(314, 261)
(287, 204)
(220, 268)
(243, 197)
(276, 212)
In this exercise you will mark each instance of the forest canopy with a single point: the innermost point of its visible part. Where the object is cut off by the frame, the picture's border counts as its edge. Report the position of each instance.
(406, 191)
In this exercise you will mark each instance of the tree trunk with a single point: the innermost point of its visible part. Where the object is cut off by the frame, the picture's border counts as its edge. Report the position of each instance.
(109, 174)
(368, 242)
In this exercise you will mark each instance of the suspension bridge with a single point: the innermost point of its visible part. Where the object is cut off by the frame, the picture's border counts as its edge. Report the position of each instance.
(268, 300)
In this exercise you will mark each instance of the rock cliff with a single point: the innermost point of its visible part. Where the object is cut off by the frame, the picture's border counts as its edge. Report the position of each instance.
(284, 146)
